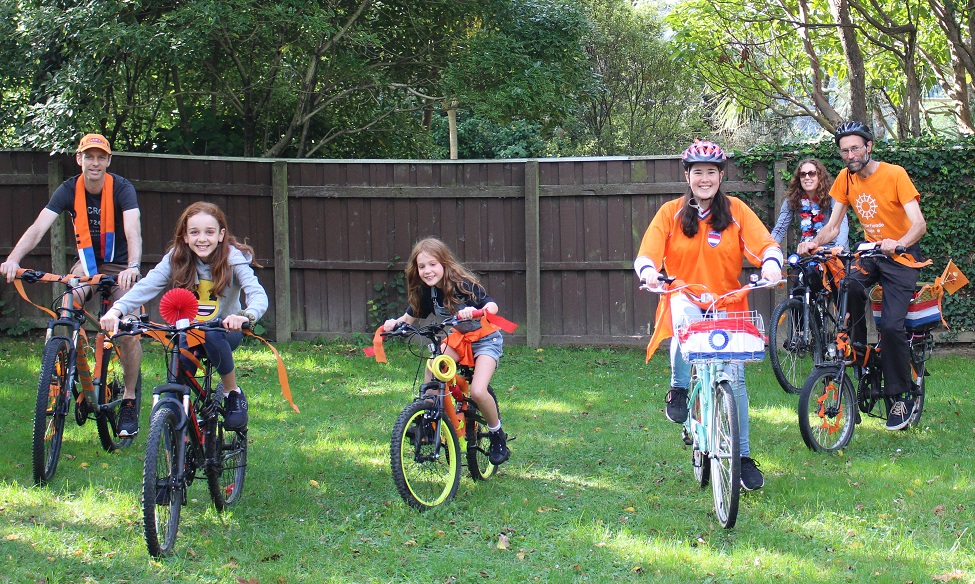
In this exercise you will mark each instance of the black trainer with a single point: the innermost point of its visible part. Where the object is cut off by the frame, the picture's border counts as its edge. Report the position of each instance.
(900, 414)
(235, 410)
(128, 419)
(676, 410)
(498, 452)
(751, 477)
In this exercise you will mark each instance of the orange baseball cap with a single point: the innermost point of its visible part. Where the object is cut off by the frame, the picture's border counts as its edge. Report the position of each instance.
(94, 141)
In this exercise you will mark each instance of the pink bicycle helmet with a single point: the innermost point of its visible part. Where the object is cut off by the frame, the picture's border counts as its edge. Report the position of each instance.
(704, 151)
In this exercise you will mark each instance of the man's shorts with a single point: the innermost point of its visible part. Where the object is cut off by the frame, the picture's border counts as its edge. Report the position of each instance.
(108, 270)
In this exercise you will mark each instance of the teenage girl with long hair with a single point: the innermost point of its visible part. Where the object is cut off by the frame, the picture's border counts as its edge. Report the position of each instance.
(206, 259)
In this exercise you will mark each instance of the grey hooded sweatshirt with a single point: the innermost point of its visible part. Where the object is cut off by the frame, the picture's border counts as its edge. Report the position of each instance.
(160, 277)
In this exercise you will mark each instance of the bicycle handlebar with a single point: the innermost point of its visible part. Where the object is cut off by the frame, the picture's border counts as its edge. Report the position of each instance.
(134, 327)
(700, 293)
(404, 329)
(33, 276)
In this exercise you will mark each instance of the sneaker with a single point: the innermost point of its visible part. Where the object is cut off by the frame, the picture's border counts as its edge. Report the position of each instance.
(498, 452)
(235, 410)
(128, 419)
(900, 414)
(676, 410)
(751, 477)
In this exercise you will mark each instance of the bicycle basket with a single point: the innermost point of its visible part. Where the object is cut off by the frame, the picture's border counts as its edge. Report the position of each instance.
(736, 336)
(924, 312)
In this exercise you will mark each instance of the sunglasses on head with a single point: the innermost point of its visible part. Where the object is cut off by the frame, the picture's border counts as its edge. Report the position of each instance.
(809, 173)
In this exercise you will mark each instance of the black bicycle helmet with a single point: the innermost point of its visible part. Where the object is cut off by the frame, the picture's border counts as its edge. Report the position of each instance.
(703, 151)
(853, 128)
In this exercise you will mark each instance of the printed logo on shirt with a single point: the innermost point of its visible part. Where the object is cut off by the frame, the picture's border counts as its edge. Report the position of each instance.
(866, 206)
(714, 238)
(209, 303)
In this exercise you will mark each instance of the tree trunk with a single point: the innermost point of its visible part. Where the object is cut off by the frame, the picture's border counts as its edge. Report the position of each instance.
(452, 126)
(854, 59)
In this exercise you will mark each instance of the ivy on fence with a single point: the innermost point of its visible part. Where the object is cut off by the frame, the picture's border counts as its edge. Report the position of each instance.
(943, 171)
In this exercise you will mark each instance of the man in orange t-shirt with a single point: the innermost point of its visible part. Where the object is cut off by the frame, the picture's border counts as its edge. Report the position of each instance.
(888, 206)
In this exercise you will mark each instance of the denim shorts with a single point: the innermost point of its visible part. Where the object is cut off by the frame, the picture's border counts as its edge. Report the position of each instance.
(491, 345)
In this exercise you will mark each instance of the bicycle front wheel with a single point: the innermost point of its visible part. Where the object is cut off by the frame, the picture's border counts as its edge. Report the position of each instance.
(827, 409)
(51, 409)
(424, 456)
(725, 456)
(109, 396)
(699, 459)
(226, 464)
(795, 346)
(478, 443)
(163, 492)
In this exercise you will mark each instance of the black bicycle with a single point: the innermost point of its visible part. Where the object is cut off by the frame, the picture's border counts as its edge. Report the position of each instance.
(829, 407)
(804, 324)
(76, 369)
(187, 438)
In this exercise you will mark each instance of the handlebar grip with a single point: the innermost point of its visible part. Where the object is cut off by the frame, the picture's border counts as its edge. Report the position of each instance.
(478, 313)
(900, 249)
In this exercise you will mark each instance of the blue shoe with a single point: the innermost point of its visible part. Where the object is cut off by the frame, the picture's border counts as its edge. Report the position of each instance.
(235, 410)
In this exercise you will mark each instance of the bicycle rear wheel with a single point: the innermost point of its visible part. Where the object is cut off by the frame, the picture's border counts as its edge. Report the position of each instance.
(795, 346)
(226, 465)
(478, 443)
(51, 409)
(109, 393)
(918, 373)
(163, 492)
(725, 456)
(827, 410)
(424, 456)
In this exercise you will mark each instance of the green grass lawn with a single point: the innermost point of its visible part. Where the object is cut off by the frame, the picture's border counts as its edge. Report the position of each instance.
(599, 486)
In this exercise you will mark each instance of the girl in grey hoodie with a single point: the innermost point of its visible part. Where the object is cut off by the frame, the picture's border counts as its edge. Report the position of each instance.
(206, 259)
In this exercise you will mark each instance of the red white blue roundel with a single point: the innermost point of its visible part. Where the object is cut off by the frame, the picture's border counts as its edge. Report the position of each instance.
(719, 339)
(714, 238)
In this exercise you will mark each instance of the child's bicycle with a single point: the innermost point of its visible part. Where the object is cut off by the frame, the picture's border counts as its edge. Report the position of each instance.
(75, 369)
(829, 408)
(439, 426)
(709, 342)
(187, 439)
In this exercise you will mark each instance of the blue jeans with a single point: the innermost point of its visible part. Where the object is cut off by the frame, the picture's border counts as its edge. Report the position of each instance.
(680, 370)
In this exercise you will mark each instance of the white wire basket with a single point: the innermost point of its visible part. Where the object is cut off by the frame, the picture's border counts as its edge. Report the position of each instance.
(734, 336)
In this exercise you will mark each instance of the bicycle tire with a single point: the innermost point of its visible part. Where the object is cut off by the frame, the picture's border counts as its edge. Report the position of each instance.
(425, 476)
(726, 461)
(226, 465)
(827, 413)
(918, 373)
(51, 408)
(478, 443)
(163, 492)
(699, 460)
(110, 389)
(795, 347)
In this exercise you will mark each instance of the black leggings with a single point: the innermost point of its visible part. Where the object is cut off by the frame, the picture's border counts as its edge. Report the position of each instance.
(219, 347)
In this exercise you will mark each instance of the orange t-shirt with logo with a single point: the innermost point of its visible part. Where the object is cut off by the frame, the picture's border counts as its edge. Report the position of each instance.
(878, 200)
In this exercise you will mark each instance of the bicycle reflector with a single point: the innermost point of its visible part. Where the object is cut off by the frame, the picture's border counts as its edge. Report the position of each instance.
(443, 367)
(177, 304)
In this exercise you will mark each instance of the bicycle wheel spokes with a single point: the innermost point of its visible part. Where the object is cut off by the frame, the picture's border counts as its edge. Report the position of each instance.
(424, 456)
(794, 346)
(162, 490)
(226, 466)
(827, 410)
(51, 408)
(725, 457)
(699, 459)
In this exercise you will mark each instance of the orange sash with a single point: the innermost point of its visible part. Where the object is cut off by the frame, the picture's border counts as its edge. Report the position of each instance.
(82, 231)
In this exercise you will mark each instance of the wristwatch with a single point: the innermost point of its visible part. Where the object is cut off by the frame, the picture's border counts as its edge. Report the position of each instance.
(135, 265)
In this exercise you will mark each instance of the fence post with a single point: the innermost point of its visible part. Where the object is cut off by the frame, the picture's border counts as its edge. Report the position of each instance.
(59, 260)
(533, 274)
(282, 251)
(779, 170)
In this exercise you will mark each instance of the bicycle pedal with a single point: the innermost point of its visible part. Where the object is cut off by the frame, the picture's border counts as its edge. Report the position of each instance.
(686, 437)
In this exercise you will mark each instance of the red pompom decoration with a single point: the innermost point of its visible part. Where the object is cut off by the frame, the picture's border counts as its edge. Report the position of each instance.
(177, 304)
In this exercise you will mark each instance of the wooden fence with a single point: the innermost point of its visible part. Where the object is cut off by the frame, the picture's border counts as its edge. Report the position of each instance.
(552, 240)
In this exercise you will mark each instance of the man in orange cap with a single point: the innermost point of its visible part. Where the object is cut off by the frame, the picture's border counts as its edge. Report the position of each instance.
(95, 199)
